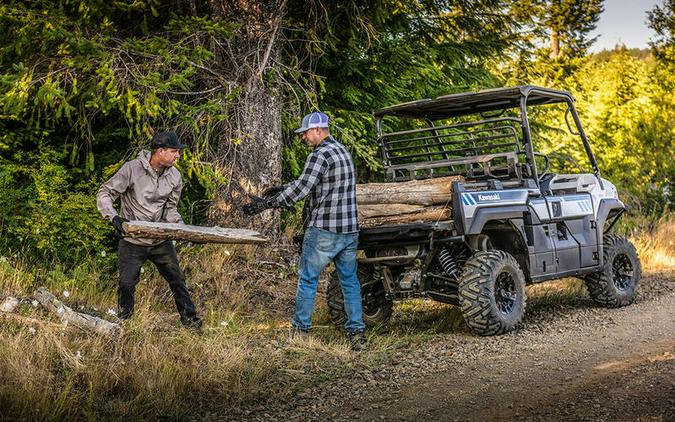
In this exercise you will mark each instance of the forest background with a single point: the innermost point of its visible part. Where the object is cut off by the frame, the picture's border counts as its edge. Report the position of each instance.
(83, 85)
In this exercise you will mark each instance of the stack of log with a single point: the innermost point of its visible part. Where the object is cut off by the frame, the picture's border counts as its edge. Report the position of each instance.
(415, 201)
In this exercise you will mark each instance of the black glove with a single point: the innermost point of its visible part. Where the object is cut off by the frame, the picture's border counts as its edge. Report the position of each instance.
(119, 230)
(272, 191)
(256, 206)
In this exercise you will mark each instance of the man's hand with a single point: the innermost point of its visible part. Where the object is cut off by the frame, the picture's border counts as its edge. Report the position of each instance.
(256, 206)
(269, 192)
(119, 230)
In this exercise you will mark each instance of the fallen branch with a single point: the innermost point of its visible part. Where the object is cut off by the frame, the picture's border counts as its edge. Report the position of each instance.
(199, 234)
(78, 319)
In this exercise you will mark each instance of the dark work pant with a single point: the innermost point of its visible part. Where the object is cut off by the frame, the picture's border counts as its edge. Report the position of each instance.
(130, 260)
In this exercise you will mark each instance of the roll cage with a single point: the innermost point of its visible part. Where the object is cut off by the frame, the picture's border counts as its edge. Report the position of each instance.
(487, 148)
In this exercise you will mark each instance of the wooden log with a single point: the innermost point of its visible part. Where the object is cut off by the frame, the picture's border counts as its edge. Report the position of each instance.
(384, 210)
(78, 319)
(436, 191)
(173, 231)
(9, 304)
(426, 215)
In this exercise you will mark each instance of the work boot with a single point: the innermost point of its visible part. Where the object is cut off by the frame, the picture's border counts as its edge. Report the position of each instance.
(192, 323)
(358, 340)
(299, 333)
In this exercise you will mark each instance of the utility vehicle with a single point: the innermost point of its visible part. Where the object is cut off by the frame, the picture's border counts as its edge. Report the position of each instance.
(514, 220)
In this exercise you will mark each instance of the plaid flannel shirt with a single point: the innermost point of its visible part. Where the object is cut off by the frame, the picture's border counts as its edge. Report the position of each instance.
(329, 175)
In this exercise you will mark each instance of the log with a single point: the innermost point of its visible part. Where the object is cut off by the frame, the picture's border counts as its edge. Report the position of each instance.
(9, 304)
(78, 319)
(425, 215)
(199, 234)
(385, 210)
(436, 191)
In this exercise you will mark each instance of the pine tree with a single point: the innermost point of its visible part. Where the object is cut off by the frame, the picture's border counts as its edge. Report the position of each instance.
(556, 36)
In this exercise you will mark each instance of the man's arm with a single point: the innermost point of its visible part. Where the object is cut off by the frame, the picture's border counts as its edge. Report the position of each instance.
(111, 190)
(171, 214)
(311, 176)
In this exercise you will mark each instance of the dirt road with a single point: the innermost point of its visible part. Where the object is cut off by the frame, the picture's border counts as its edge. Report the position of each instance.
(574, 362)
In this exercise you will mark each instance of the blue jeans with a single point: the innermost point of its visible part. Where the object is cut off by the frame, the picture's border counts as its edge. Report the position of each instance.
(319, 247)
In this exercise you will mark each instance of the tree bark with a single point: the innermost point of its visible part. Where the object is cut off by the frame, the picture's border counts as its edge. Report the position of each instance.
(249, 152)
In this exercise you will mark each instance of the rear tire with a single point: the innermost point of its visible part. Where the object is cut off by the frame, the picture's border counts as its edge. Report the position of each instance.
(615, 284)
(376, 307)
(492, 293)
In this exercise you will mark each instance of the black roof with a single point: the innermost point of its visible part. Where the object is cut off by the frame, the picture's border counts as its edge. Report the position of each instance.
(454, 105)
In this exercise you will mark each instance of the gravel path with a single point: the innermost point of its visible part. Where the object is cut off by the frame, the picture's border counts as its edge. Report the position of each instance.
(576, 362)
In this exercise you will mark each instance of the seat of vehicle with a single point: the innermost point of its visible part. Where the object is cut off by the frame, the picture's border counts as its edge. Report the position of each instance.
(571, 183)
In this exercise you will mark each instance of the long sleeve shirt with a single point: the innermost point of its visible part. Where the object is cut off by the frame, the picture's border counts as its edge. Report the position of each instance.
(329, 179)
(144, 194)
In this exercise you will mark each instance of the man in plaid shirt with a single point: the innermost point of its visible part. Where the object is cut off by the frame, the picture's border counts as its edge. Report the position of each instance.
(329, 182)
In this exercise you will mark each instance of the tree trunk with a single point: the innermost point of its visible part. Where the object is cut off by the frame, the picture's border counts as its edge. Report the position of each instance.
(249, 151)
(555, 44)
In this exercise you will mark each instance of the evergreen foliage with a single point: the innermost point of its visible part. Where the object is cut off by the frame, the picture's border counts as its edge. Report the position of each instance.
(555, 38)
(369, 54)
(84, 83)
(82, 87)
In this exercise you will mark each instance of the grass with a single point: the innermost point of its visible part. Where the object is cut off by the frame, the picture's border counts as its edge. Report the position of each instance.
(656, 245)
(246, 296)
(158, 368)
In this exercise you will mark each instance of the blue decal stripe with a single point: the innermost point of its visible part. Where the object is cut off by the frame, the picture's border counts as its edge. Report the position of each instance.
(585, 206)
(467, 199)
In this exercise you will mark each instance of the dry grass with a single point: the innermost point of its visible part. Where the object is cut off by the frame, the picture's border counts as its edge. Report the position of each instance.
(158, 368)
(246, 296)
(656, 247)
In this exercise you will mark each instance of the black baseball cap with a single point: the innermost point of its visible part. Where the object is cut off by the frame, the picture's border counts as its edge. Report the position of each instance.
(166, 140)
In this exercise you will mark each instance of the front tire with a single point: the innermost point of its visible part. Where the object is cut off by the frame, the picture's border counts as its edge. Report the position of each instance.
(376, 307)
(492, 292)
(615, 283)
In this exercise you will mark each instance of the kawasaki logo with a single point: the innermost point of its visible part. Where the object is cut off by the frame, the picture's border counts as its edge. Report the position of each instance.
(490, 197)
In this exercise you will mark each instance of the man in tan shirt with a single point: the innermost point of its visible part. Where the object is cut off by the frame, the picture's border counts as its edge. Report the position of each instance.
(149, 188)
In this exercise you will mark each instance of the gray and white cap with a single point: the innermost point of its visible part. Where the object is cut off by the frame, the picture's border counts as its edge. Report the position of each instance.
(312, 120)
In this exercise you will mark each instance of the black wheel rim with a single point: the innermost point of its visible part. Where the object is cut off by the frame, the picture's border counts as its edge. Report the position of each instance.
(505, 293)
(622, 272)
